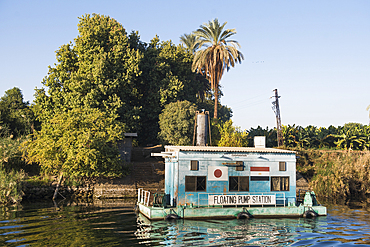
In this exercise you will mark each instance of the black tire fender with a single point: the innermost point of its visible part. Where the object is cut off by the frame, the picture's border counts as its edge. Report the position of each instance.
(310, 214)
(243, 215)
(171, 217)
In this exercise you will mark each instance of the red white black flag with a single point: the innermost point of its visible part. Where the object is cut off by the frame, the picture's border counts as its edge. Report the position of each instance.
(218, 173)
(260, 173)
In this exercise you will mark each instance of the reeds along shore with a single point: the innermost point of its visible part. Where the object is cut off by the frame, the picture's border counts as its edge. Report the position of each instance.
(338, 175)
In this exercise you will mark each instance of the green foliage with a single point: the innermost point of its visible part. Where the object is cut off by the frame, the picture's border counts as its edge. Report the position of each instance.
(12, 168)
(231, 136)
(352, 136)
(177, 123)
(39, 181)
(98, 71)
(80, 142)
(224, 112)
(166, 77)
(16, 116)
(336, 174)
(270, 134)
(86, 100)
(190, 41)
(11, 156)
(10, 186)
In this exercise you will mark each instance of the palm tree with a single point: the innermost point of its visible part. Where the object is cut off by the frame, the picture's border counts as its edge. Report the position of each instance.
(368, 109)
(190, 41)
(218, 54)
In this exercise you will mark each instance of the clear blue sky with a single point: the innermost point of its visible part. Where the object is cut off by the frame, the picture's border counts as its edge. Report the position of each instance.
(316, 53)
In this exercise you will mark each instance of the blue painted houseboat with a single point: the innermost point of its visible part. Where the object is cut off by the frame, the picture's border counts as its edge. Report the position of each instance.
(228, 182)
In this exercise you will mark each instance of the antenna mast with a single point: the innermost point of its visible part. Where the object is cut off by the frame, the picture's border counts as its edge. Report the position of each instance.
(276, 109)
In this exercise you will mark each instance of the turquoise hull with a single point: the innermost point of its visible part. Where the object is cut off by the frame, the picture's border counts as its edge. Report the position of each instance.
(160, 213)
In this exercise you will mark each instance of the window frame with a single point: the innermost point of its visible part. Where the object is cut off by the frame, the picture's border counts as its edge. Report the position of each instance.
(198, 181)
(239, 166)
(239, 183)
(281, 183)
(280, 166)
(194, 163)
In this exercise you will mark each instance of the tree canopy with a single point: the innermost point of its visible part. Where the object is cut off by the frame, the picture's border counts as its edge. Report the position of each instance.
(110, 78)
(97, 71)
(177, 123)
(80, 142)
(16, 116)
(86, 100)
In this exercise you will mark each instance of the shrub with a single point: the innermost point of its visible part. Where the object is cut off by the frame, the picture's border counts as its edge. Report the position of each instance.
(10, 186)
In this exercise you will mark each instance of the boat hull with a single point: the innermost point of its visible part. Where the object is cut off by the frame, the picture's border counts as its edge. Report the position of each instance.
(160, 213)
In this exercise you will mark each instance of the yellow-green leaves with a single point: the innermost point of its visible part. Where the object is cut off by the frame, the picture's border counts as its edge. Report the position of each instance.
(81, 142)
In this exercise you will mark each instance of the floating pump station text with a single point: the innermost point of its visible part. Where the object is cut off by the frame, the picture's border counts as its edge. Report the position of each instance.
(241, 199)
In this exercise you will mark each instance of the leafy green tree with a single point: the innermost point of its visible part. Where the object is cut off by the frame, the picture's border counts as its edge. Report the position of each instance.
(16, 116)
(98, 71)
(177, 123)
(85, 101)
(232, 136)
(219, 53)
(77, 143)
(166, 77)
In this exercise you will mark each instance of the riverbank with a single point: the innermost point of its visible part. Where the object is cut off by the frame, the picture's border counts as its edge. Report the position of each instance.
(332, 174)
(336, 174)
(145, 172)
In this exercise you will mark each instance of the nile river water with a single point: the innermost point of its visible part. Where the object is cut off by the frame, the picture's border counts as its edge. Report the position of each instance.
(108, 223)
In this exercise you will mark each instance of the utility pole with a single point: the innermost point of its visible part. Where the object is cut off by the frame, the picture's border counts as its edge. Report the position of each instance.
(276, 109)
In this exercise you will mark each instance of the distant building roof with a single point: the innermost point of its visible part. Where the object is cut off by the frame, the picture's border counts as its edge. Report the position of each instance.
(225, 149)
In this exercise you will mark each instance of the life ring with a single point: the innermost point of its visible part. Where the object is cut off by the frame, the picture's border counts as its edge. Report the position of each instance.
(310, 214)
(171, 217)
(243, 215)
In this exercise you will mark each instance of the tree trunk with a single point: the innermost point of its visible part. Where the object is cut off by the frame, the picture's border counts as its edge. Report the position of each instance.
(216, 103)
(58, 185)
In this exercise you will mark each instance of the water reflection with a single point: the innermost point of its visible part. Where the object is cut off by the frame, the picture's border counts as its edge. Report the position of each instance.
(115, 224)
(220, 233)
(342, 227)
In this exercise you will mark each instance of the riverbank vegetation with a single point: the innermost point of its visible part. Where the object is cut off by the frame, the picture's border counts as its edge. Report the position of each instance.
(335, 174)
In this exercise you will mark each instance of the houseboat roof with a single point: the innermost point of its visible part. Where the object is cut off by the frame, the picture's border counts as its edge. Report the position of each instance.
(225, 149)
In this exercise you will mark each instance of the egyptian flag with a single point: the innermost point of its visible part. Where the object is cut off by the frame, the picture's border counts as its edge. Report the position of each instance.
(259, 173)
(218, 173)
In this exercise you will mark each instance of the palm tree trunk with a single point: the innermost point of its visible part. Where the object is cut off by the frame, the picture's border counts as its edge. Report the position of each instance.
(216, 103)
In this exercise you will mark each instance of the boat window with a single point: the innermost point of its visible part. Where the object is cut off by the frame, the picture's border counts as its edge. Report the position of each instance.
(239, 166)
(282, 166)
(195, 183)
(279, 183)
(194, 165)
(238, 183)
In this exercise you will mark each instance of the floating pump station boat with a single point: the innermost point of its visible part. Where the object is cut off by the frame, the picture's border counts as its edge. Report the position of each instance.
(228, 182)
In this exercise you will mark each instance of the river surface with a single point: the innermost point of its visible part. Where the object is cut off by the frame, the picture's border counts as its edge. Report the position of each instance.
(114, 223)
